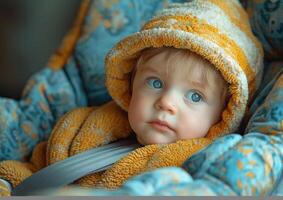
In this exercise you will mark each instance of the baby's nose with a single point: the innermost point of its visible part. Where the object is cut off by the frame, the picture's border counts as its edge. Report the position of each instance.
(167, 103)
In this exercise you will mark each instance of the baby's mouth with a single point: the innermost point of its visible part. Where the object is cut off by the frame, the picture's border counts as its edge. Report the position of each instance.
(161, 126)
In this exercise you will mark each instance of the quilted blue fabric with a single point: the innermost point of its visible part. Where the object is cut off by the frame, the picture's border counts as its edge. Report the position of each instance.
(266, 18)
(47, 96)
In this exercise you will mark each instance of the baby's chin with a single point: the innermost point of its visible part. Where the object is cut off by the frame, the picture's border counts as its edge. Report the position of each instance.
(153, 141)
(141, 141)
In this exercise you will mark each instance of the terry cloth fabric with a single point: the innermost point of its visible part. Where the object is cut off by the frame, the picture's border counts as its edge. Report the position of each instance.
(218, 31)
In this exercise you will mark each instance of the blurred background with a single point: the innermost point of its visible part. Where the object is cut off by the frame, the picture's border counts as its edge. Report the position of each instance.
(30, 31)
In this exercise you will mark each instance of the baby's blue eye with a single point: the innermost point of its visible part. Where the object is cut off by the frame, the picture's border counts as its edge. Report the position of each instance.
(154, 83)
(193, 96)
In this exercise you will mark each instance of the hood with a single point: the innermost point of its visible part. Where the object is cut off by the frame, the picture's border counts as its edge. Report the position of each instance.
(218, 31)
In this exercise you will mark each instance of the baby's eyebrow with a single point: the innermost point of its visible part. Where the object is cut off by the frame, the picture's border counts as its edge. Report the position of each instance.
(198, 84)
(148, 69)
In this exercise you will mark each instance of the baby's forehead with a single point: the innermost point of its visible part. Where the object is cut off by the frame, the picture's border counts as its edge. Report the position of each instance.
(178, 65)
(181, 63)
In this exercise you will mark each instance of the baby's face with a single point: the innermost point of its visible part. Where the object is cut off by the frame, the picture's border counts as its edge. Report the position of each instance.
(166, 107)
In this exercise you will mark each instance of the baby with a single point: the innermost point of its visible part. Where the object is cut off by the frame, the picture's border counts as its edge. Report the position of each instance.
(182, 81)
(176, 95)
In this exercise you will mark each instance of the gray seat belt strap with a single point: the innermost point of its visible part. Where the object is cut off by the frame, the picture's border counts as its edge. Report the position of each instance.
(67, 171)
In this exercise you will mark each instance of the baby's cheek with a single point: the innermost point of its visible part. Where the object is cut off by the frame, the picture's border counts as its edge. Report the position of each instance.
(135, 115)
(193, 126)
